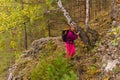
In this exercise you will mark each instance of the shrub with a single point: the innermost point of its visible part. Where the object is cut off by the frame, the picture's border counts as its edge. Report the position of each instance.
(53, 68)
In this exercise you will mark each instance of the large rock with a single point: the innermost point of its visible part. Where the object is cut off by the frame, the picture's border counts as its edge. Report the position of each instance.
(23, 66)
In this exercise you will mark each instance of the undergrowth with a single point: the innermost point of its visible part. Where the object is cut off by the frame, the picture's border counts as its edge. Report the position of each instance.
(56, 68)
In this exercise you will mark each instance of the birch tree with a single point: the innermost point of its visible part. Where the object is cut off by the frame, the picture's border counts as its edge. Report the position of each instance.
(83, 35)
(87, 14)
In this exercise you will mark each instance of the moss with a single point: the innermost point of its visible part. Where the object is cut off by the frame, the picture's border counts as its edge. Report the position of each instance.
(49, 47)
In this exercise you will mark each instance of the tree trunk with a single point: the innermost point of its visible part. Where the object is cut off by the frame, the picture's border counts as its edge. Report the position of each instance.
(89, 30)
(83, 34)
(25, 31)
(87, 14)
(112, 9)
(49, 33)
(25, 37)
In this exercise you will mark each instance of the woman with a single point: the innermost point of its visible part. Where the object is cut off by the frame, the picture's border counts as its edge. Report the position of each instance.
(71, 36)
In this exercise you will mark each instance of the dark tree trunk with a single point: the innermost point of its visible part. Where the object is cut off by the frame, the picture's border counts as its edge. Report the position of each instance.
(84, 37)
(25, 31)
(25, 37)
(49, 33)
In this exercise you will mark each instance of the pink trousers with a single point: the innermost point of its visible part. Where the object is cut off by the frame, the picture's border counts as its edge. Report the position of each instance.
(70, 48)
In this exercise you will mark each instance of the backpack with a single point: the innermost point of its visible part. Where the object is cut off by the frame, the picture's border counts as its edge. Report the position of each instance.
(64, 34)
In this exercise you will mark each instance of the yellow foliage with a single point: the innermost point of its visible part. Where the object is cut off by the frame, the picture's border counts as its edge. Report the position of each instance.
(92, 72)
(25, 13)
(1, 28)
(106, 78)
(13, 44)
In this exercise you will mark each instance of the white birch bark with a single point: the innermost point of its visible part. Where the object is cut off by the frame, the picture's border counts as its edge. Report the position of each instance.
(66, 14)
(87, 14)
(84, 37)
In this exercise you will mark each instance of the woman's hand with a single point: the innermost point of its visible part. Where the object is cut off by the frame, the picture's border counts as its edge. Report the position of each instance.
(78, 33)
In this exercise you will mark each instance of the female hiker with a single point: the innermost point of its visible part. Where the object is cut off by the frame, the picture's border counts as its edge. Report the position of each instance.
(71, 36)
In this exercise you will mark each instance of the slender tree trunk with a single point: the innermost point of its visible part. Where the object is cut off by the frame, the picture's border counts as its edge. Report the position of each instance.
(25, 37)
(25, 30)
(49, 33)
(87, 14)
(112, 9)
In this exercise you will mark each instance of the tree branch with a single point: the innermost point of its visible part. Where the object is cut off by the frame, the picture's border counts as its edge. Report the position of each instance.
(66, 14)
